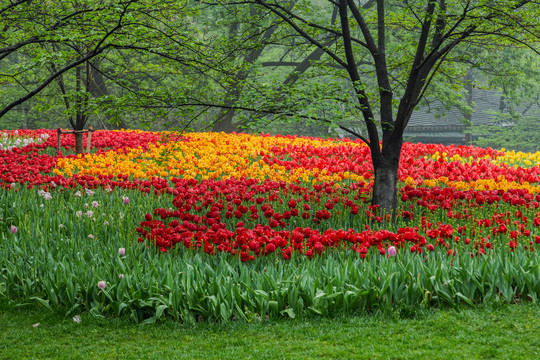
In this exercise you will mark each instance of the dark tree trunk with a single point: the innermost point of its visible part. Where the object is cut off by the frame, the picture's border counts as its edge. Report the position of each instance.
(225, 121)
(79, 144)
(386, 175)
(80, 118)
(385, 187)
(98, 88)
(25, 122)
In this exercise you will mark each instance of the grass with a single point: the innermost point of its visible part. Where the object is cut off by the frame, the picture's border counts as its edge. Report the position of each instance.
(504, 332)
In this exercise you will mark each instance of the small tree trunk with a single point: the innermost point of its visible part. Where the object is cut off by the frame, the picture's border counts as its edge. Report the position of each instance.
(225, 122)
(467, 117)
(98, 88)
(468, 138)
(79, 146)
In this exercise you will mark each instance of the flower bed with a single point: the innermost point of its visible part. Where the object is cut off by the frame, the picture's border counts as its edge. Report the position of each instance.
(248, 198)
(254, 195)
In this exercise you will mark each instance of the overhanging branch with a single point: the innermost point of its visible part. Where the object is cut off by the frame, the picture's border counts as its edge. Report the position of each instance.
(272, 112)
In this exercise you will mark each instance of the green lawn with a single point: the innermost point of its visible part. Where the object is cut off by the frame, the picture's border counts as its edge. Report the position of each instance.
(509, 332)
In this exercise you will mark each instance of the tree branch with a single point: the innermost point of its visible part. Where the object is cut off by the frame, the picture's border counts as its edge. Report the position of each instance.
(303, 33)
(357, 83)
(370, 43)
(98, 49)
(12, 5)
(273, 112)
(52, 77)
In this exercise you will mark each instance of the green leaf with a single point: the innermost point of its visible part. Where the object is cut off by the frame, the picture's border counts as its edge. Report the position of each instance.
(159, 311)
(43, 302)
(289, 311)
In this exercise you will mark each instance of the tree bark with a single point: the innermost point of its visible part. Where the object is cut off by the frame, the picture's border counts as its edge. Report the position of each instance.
(79, 145)
(225, 121)
(385, 189)
(386, 178)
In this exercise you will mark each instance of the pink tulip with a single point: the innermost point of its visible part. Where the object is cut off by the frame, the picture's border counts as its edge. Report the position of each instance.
(392, 251)
(102, 284)
(13, 229)
(121, 251)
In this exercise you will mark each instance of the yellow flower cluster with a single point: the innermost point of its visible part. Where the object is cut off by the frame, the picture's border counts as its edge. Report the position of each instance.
(222, 156)
(515, 159)
(512, 158)
(204, 156)
(484, 184)
(456, 157)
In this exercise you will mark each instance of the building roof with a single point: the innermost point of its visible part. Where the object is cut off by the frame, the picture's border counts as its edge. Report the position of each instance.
(434, 124)
(434, 118)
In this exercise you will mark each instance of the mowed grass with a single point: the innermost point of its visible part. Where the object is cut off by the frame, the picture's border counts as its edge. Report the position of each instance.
(505, 332)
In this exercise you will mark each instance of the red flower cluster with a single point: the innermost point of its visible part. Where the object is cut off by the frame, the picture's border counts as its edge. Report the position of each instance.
(448, 198)
(249, 218)
(416, 162)
(28, 165)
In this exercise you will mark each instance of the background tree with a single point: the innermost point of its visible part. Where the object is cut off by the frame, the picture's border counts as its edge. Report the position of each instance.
(75, 52)
(401, 46)
(501, 76)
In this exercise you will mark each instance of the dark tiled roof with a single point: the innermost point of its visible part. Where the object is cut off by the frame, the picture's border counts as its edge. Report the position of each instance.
(435, 117)
(439, 125)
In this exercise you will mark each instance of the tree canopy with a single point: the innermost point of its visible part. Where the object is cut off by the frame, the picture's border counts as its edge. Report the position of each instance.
(230, 64)
(97, 57)
(388, 53)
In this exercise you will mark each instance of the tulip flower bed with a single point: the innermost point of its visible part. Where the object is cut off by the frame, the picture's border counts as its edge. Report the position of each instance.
(206, 225)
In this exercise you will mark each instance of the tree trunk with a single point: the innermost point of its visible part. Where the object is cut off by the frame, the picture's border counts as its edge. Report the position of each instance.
(26, 116)
(79, 146)
(386, 177)
(467, 117)
(98, 88)
(80, 117)
(225, 121)
(385, 188)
